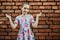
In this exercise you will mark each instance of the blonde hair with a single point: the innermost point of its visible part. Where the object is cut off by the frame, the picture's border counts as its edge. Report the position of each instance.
(25, 3)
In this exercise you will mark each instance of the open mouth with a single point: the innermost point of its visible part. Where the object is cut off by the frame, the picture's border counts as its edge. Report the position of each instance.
(25, 11)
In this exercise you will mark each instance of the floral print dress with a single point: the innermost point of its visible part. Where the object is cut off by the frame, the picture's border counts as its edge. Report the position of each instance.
(25, 32)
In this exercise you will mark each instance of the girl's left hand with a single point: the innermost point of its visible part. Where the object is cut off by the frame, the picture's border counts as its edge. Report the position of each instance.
(39, 14)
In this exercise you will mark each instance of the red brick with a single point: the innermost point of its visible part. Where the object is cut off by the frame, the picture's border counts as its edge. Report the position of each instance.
(17, 11)
(54, 26)
(9, 26)
(42, 34)
(35, 7)
(36, 37)
(54, 7)
(1, 14)
(35, 3)
(56, 38)
(56, 22)
(54, 34)
(13, 37)
(35, 30)
(2, 30)
(14, 18)
(51, 15)
(48, 22)
(45, 7)
(8, 30)
(56, 30)
(41, 7)
(18, 3)
(2, 37)
(3, 33)
(43, 0)
(16, 0)
(55, 19)
(7, 11)
(36, 0)
(8, 7)
(57, 0)
(48, 30)
(3, 18)
(41, 37)
(44, 30)
(7, 22)
(22, 0)
(7, 37)
(8, 3)
(48, 11)
(12, 33)
(34, 11)
(2, 7)
(43, 18)
(42, 26)
(49, 37)
(1, 22)
(15, 14)
(16, 30)
(14, 7)
(57, 11)
(51, 0)
(49, 3)
(42, 22)
(58, 7)
(31, 7)
(2, 0)
(9, 0)
(20, 7)
(3, 26)
(30, 0)
(58, 3)
(0, 3)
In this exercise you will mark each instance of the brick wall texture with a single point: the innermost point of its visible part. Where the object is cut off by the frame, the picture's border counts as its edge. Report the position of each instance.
(48, 25)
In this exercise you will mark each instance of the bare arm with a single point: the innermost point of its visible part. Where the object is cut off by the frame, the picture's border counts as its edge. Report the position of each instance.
(35, 24)
(13, 25)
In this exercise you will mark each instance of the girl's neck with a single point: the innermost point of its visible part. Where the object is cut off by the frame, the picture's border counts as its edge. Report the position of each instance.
(24, 14)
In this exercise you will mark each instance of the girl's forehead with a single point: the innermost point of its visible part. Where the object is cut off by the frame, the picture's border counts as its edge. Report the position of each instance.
(26, 6)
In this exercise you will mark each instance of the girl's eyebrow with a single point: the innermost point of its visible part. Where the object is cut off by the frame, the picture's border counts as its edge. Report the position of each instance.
(25, 7)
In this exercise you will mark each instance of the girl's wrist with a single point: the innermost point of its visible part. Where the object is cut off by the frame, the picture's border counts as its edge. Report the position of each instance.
(9, 17)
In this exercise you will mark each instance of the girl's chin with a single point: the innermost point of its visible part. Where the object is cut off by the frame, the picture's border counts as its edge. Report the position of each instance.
(24, 11)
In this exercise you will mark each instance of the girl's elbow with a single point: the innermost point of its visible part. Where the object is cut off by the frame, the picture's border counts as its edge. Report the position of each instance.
(13, 27)
(35, 26)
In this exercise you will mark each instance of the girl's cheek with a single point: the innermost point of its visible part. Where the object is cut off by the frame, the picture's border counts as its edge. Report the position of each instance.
(28, 10)
(29, 21)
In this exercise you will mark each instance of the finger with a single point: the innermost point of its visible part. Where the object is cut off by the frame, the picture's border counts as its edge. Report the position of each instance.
(6, 15)
(40, 13)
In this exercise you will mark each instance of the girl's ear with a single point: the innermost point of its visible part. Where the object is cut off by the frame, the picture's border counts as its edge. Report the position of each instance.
(21, 8)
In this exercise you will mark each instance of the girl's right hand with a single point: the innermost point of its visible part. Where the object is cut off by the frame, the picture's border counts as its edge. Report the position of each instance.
(39, 14)
(8, 16)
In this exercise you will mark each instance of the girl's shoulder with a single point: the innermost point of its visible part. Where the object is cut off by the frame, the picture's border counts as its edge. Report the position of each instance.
(29, 15)
(18, 16)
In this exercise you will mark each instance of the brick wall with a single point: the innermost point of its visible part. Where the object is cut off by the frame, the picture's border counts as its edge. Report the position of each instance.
(49, 22)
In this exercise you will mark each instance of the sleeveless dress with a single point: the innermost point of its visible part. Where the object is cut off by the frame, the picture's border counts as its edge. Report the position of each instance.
(25, 32)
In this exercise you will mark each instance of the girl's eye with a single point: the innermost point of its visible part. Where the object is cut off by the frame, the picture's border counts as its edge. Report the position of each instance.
(26, 8)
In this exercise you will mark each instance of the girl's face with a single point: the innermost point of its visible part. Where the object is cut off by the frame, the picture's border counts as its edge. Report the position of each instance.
(25, 9)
